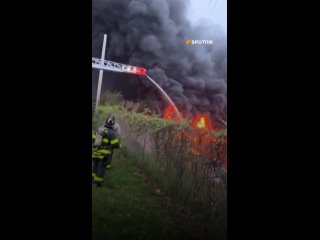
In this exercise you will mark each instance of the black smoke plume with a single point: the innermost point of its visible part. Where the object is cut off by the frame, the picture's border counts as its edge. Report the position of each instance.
(152, 34)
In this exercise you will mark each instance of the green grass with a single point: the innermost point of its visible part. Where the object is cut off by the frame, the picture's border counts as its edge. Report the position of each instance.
(133, 210)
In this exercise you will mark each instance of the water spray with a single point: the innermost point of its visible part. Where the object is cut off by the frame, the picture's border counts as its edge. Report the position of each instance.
(167, 96)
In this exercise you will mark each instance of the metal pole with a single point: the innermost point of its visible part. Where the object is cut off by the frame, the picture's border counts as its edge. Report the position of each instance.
(101, 71)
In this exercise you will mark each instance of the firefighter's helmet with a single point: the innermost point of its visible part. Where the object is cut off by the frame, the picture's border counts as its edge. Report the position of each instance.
(110, 122)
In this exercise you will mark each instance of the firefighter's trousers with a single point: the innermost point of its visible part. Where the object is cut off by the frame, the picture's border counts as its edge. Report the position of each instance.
(99, 167)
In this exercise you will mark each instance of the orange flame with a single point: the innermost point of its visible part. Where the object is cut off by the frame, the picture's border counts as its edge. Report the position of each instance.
(202, 121)
(200, 139)
(170, 113)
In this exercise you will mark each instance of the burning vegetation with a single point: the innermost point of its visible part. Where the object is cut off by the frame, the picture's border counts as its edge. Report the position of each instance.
(201, 137)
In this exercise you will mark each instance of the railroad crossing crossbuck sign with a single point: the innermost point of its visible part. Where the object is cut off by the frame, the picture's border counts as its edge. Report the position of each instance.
(103, 65)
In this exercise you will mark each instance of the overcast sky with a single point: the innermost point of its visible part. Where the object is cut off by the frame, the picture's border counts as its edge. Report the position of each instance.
(212, 10)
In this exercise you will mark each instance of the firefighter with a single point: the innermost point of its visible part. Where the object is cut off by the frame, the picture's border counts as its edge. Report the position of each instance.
(105, 140)
(116, 127)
